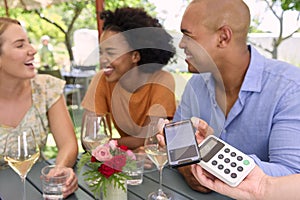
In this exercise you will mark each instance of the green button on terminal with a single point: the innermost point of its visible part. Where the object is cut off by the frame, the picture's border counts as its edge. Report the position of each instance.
(246, 162)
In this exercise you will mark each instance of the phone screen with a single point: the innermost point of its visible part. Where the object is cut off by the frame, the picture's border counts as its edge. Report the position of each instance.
(181, 143)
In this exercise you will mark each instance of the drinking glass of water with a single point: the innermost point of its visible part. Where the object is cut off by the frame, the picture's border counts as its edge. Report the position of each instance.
(136, 170)
(54, 180)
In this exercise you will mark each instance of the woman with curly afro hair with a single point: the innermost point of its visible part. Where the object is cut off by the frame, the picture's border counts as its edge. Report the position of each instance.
(131, 86)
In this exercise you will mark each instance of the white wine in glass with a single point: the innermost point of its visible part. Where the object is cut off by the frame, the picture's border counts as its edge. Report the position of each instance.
(95, 131)
(21, 152)
(158, 155)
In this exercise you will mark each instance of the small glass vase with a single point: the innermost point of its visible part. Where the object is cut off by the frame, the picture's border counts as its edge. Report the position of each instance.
(115, 193)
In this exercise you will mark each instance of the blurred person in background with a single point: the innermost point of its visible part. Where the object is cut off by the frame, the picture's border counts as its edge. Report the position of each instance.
(46, 53)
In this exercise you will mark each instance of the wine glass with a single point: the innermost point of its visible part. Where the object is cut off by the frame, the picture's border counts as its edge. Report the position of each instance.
(21, 152)
(95, 131)
(158, 155)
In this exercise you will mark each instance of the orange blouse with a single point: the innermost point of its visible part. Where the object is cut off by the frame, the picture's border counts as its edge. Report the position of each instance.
(129, 111)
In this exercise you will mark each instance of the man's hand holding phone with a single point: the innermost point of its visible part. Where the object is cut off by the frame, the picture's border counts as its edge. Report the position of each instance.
(201, 131)
(182, 147)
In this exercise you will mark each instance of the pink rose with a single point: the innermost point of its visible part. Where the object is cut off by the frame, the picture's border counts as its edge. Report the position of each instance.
(131, 155)
(102, 153)
(113, 144)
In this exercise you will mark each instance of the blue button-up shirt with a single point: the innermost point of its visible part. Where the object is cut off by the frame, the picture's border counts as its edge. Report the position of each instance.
(264, 122)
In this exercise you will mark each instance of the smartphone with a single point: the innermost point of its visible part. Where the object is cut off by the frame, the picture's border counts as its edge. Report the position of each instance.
(182, 147)
(225, 162)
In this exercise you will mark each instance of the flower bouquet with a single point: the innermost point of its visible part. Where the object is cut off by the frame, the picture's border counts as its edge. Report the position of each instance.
(105, 165)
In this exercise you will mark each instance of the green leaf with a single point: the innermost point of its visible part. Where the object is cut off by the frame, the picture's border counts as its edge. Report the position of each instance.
(96, 180)
(85, 158)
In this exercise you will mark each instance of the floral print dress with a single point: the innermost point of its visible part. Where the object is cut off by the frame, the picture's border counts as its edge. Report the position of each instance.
(46, 90)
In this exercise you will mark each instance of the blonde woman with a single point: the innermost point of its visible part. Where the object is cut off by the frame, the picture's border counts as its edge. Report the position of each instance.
(34, 100)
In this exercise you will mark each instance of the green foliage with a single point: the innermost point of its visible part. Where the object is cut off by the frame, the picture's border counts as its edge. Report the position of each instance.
(95, 179)
(289, 4)
(274, 7)
(253, 28)
(112, 4)
(85, 158)
(50, 151)
(61, 20)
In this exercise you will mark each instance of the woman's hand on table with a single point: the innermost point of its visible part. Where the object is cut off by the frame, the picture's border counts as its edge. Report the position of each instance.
(71, 184)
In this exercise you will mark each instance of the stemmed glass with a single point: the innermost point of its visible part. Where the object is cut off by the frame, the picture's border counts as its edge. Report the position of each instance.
(21, 152)
(158, 155)
(95, 131)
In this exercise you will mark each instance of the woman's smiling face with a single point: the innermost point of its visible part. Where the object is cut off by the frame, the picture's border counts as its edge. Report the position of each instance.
(116, 56)
(17, 54)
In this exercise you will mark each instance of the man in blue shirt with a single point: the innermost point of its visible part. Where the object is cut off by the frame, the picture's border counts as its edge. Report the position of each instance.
(251, 102)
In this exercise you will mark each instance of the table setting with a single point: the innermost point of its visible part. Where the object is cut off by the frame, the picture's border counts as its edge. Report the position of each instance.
(120, 173)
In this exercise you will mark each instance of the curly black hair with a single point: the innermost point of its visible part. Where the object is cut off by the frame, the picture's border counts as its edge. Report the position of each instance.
(143, 33)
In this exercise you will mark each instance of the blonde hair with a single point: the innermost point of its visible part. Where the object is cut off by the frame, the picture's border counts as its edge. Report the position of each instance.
(4, 23)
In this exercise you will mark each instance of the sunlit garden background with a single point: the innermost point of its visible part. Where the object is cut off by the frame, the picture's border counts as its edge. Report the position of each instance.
(60, 21)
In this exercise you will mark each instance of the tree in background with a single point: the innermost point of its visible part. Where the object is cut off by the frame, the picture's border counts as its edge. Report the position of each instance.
(81, 14)
(69, 13)
(61, 20)
(279, 8)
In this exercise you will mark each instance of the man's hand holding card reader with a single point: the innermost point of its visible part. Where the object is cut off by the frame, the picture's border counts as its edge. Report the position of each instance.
(225, 162)
(213, 154)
